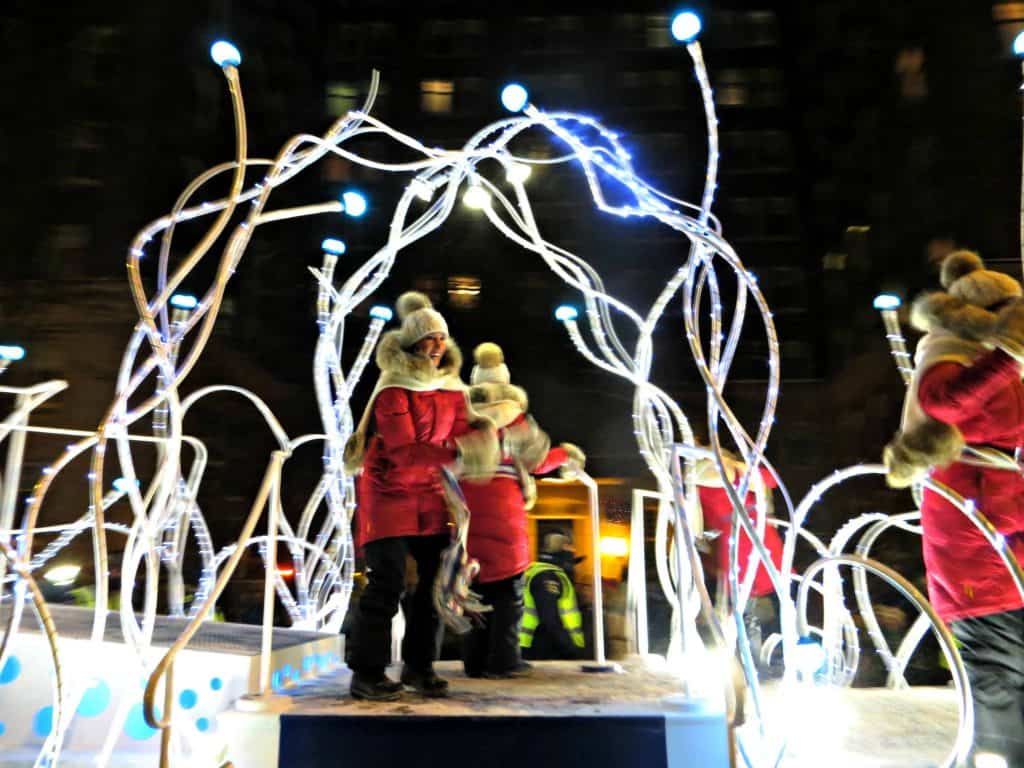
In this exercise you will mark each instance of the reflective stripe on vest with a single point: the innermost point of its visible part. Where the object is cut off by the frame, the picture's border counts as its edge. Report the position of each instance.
(568, 610)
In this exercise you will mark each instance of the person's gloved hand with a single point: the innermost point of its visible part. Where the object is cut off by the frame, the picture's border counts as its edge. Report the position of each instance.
(479, 453)
(577, 461)
(526, 442)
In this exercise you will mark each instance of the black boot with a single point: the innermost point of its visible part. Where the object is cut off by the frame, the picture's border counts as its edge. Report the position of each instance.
(425, 682)
(474, 650)
(374, 685)
(504, 658)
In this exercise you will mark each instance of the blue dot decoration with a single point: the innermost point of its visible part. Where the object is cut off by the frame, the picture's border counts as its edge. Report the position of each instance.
(11, 670)
(42, 723)
(203, 724)
(135, 724)
(216, 683)
(307, 664)
(3, 729)
(95, 700)
(275, 680)
(188, 698)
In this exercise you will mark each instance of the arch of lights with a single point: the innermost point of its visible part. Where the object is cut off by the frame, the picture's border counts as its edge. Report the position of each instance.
(172, 332)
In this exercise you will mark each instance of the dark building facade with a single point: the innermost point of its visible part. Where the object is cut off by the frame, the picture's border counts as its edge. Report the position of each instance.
(853, 135)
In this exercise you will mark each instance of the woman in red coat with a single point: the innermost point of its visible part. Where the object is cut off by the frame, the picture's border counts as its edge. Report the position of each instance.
(417, 420)
(717, 511)
(716, 508)
(498, 534)
(967, 397)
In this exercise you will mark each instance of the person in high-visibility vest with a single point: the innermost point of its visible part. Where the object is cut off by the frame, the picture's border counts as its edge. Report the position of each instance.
(552, 625)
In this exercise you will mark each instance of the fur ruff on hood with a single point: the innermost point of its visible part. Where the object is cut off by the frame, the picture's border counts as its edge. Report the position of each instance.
(493, 392)
(958, 332)
(400, 367)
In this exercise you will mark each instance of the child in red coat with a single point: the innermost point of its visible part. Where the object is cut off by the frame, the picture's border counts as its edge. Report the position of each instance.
(498, 536)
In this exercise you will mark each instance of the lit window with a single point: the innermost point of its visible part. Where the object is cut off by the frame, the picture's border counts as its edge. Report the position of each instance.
(342, 98)
(658, 32)
(436, 96)
(760, 87)
(910, 70)
(463, 291)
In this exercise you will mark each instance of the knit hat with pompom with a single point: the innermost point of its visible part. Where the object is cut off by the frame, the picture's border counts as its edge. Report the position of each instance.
(419, 318)
(490, 365)
(964, 276)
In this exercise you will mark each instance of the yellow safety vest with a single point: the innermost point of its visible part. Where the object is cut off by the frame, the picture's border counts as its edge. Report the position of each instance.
(568, 610)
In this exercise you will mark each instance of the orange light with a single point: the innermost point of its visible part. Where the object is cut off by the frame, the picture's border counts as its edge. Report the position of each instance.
(286, 572)
(614, 546)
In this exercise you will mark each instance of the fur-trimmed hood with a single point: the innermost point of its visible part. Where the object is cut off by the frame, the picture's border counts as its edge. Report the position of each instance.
(398, 364)
(955, 331)
(940, 311)
(501, 403)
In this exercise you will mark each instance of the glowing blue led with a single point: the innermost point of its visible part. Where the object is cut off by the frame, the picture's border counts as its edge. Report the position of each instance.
(514, 97)
(135, 724)
(184, 301)
(95, 700)
(216, 683)
(885, 301)
(225, 54)
(42, 723)
(188, 698)
(332, 245)
(203, 724)
(355, 203)
(1018, 45)
(122, 485)
(10, 671)
(381, 313)
(11, 352)
(566, 312)
(686, 25)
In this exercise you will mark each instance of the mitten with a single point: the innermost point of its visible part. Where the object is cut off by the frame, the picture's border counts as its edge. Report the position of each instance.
(526, 442)
(479, 453)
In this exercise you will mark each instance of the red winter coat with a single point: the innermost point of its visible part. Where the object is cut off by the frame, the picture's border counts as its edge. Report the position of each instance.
(498, 535)
(985, 401)
(411, 436)
(717, 509)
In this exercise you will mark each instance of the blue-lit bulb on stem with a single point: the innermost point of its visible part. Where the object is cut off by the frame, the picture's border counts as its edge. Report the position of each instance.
(514, 97)
(686, 26)
(566, 312)
(1018, 45)
(886, 302)
(225, 54)
(333, 246)
(184, 301)
(11, 352)
(380, 312)
(355, 203)
(121, 484)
